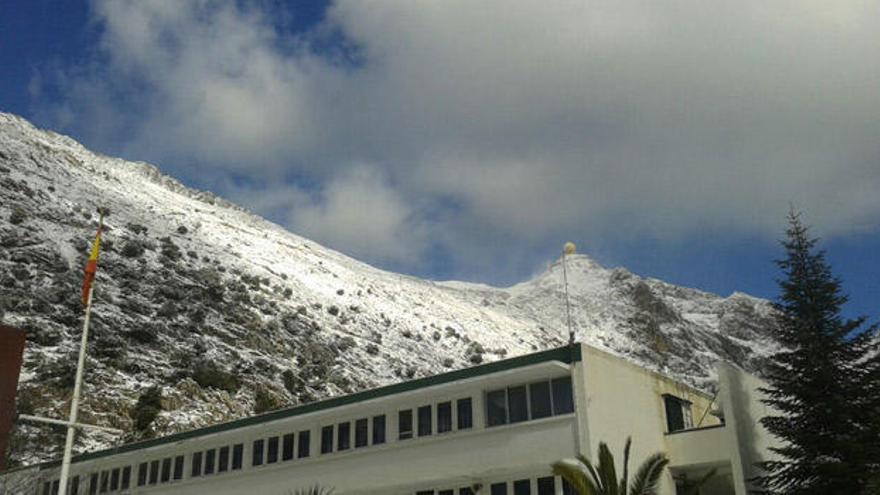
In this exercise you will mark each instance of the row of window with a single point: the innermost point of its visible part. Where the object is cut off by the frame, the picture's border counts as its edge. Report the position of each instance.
(503, 406)
(267, 450)
(524, 402)
(362, 437)
(464, 415)
(543, 486)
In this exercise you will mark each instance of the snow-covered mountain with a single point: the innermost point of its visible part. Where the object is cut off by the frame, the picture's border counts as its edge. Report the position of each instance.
(229, 313)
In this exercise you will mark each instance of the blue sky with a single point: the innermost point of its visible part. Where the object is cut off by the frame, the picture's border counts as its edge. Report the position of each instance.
(469, 140)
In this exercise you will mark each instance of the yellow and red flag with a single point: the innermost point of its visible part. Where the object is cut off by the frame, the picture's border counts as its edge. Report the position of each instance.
(91, 267)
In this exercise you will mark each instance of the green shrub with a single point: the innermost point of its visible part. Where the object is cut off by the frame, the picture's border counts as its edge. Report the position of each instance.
(148, 406)
(209, 375)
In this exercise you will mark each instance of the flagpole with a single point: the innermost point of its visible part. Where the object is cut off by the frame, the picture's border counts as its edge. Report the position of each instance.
(77, 386)
(568, 248)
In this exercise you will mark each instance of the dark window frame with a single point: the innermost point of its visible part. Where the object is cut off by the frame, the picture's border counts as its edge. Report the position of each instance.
(465, 413)
(379, 425)
(444, 417)
(343, 436)
(404, 417)
(288, 443)
(237, 456)
(223, 459)
(166, 470)
(361, 433)
(425, 416)
(210, 462)
(272, 448)
(327, 439)
(303, 444)
(257, 452)
(178, 468)
(495, 407)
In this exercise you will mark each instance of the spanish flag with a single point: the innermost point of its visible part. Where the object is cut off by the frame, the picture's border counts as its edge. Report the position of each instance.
(91, 267)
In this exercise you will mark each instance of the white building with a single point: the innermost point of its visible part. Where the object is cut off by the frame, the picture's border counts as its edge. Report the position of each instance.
(498, 426)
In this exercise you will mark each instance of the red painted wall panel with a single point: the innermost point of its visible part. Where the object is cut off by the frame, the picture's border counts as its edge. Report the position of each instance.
(11, 349)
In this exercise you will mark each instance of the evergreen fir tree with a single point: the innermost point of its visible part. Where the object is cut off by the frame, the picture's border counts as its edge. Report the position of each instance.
(825, 383)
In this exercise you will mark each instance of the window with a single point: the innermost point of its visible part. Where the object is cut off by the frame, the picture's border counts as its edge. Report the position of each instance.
(378, 429)
(237, 454)
(361, 433)
(93, 481)
(343, 436)
(304, 442)
(496, 407)
(567, 489)
(210, 456)
(55, 486)
(425, 492)
(114, 480)
(257, 454)
(154, 474)
(546, 486)
(166, 470)
(47, 488)
(404, 424)
(466, 490)
(223, 459)
(178, 471)
(327, 439)
(446, 492)
(126, 478)
(74, 486)
(105, 481)
(498, 489)
(465, 414)
(272, 454)
(424, 421)
(678, 413)
(287, 447)
(196, 469)
(142, 475)
(562, 400)
(539, 400)
(444, 417)
(522, 487)
(517, 405)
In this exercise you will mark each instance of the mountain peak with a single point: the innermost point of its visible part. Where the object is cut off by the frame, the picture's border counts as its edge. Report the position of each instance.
(215, 305)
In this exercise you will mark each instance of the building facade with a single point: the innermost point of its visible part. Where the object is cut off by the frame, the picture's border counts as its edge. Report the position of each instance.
(493, 429)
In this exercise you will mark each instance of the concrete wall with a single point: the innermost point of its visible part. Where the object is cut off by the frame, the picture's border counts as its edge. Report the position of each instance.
(743, 410)
(623, 400)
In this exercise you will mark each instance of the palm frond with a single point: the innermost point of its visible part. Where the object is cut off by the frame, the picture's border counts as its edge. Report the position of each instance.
(622, 488)
(607, 471)
(648, 475)
(315, 490)
(574, 473)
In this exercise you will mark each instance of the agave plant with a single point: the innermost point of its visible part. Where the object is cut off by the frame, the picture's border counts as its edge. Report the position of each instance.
(601, 478)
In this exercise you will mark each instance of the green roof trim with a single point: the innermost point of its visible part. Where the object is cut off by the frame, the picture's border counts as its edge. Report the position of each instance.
(567, 355)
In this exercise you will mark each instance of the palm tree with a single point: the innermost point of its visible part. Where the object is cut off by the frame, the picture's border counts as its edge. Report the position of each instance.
(601, 478)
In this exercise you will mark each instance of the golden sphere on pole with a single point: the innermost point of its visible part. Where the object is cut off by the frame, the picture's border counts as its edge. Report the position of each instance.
(568, 248)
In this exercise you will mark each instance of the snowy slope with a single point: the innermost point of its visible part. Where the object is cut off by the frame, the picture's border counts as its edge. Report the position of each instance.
(190, 285)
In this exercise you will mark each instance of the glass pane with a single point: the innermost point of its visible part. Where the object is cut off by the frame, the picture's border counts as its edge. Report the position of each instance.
(210, 456)
(674, 413)
(287, 447)
(47, 488)
(546, 486)
(343, 436)
(93, 482)
(498, 489)
(496, 407)
(237, 455)
(178, 469)
(522, 487)
(304, 442)
(539, 400)
(257, 453)
(466, 491)
(444, 417)
(105, 479)
(424, 421)
(518, 407)
(55, 485)
(196, 464)
(567, 489)
(272, 451)
(378, 429)
(114, 479)
(166, 470)
(361, 433)
(327, 439)
(142, 474)
(222, 460)
(425, 492)
(446, 492)
(154, 474)
(562, 400)
(465, 414)
(74, 485)
(404, 424)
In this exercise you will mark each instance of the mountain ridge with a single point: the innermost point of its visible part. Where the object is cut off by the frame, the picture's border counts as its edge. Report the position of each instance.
(191, 286)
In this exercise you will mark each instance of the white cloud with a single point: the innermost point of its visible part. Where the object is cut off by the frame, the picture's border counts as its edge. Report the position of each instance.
(507, 121)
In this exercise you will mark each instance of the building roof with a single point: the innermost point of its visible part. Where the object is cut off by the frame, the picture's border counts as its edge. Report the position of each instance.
(567, 354)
